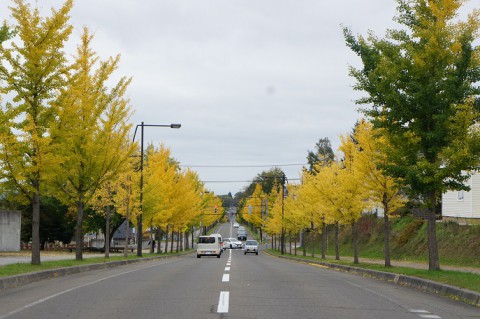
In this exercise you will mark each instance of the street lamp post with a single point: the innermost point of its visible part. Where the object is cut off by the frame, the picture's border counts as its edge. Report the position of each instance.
(282, 238)
(139, 218)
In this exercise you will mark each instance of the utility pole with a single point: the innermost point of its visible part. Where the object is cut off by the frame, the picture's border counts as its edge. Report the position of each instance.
(282, 239)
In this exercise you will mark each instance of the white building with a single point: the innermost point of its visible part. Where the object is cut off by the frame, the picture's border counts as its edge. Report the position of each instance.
(461, 206)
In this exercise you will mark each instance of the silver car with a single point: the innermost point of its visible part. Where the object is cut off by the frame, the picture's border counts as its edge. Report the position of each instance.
(251, 246)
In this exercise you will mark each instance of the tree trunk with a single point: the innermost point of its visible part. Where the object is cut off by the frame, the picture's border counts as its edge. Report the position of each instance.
(152, 244)
(193, 237)
(312, 234)
(186, 239)
(36, 225)
(179, 240)
(304, 248)
(337, 250)
(355, 243)
(295, 244)
(107, 231)
(158, 235)
(79, 230)
(433, 259)
(324, 240)
(166, 239)
(127, 224)
(290, 242)
(386, 226)
(172, 239)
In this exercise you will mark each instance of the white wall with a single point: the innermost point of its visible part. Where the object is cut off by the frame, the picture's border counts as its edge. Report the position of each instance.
(462, 204)
(10, 225)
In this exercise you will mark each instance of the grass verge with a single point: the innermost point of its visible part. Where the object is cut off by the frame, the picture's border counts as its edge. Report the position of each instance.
(459, 279)
(23, 268)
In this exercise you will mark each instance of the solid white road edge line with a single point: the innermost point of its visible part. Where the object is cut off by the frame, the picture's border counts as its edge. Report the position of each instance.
(223, 302)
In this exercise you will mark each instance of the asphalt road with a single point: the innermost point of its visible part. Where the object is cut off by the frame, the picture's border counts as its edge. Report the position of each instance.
(233, 286)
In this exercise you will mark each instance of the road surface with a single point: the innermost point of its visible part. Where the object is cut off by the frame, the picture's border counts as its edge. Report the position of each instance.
(233, 286)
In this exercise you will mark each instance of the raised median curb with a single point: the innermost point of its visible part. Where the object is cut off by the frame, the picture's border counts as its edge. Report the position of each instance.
(24, 279)
(464, 295)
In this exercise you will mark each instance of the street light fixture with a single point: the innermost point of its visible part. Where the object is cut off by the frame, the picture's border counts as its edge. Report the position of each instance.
(139, 218)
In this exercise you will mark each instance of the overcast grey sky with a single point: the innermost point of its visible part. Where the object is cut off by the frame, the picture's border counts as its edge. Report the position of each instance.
(253, 82)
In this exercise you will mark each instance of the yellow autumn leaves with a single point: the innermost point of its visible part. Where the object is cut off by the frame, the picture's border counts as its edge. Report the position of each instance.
(174, 197)
(336, 193)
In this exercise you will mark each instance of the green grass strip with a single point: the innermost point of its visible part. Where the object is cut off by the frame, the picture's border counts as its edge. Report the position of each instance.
(23, 268)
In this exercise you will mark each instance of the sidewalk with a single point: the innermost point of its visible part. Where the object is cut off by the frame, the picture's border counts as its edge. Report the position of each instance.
(397, 263)
(25, 256)
(411, 264)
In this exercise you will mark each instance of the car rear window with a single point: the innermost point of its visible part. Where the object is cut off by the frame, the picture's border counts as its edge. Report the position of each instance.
(251, 242)
(206, 240)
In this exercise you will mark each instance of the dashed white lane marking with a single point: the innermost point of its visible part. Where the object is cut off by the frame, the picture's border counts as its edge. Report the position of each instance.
(226, 278)
(223, 302)
(419, 311)
(424, 314)
(227, 268)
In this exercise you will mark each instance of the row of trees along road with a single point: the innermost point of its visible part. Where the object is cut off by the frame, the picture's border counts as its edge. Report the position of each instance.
(64, 133)
(332, 192)
(421, 138)
(422, 94)
(176, 199)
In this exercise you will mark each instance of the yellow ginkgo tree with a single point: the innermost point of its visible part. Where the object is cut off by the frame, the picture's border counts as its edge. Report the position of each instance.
(175, 200)
(253, 211)
(32, 68)
(91, 133)
(354, 195)
(370, 153)
(126, 199)
(326, 188)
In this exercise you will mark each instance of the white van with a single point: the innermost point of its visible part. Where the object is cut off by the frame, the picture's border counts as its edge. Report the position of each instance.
(209, 246)
(222, 248)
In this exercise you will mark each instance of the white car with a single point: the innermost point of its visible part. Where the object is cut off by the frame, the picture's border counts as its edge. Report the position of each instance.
(232, 243)
(236, 225)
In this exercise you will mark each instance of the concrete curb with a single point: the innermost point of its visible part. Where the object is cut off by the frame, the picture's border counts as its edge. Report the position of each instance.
(464, 295)
(25, 279)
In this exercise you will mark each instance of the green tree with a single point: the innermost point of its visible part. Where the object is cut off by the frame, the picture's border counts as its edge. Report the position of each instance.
(57, 222)
(5, 32)
(91, 134)
(323, 154)
(422, 88)
(32, 70)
